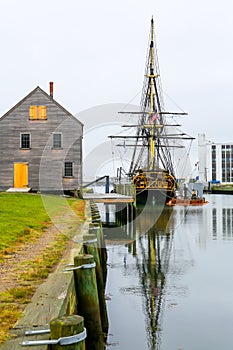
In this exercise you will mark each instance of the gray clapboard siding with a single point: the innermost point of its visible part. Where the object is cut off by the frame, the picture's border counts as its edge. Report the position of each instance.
(45, 164)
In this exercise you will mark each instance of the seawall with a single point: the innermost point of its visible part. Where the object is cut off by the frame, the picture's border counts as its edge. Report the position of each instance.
(76, 287)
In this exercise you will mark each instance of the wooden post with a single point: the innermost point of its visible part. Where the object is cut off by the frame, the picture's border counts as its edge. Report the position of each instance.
(88, 302)
(95, 215)
(90, 247)
(96, 228)
(67, 326)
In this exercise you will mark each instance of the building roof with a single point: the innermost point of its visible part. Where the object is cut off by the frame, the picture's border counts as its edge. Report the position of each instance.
(46, 95)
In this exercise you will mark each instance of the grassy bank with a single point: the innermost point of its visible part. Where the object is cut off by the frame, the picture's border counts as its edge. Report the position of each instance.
(25, 218)
(21, 214)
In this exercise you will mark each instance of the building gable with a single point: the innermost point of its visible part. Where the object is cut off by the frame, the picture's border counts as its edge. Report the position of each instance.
(39, 95)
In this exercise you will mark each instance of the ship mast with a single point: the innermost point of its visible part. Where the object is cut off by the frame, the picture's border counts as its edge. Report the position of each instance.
(151, 147)
(152, 115)
(152, 76)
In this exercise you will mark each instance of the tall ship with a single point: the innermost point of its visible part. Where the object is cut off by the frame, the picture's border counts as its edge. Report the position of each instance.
(151, 169)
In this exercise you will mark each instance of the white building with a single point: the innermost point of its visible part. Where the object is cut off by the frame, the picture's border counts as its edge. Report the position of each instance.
(215, 161)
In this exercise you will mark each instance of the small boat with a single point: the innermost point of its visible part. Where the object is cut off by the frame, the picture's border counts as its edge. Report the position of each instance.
(187, 201)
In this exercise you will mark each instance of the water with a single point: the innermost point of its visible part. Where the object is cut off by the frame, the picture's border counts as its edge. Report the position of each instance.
(170, 284)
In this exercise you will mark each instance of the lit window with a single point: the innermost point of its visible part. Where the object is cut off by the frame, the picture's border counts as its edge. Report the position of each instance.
(25, 141)
(57, 141)
(37, 113)
(68, 171)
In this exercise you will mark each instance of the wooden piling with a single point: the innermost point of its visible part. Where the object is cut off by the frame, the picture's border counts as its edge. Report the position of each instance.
(90, 247)
(88, 301)
(67, 326)
(97, 229)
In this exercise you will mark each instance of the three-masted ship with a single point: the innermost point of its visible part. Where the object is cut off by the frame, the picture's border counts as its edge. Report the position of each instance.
(151, 169)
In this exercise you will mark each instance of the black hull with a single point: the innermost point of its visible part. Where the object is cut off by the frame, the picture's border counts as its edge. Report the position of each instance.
(153, 196)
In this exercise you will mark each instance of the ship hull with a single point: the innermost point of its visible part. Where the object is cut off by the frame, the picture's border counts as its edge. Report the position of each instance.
(154, 186)
(153, 196)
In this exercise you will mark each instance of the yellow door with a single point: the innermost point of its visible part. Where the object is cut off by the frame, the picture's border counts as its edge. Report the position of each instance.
(20, 175)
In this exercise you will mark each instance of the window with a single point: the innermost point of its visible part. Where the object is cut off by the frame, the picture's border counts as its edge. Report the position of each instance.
(37, 113)
(25, 141)
(213, 162)
(68, 171)
(57, 141)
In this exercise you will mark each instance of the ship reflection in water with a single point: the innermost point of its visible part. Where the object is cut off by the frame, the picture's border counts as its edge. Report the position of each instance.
(143, 251)
(168, 277)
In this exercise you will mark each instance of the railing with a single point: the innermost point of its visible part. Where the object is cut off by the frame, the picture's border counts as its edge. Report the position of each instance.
(99, 179)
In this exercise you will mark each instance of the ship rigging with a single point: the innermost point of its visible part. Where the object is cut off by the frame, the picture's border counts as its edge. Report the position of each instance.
(151, 168)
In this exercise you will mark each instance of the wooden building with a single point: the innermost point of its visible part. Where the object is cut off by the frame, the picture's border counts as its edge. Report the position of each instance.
(40, 145)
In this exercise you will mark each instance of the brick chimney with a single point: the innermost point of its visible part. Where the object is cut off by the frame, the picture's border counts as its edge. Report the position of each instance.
(51, 89)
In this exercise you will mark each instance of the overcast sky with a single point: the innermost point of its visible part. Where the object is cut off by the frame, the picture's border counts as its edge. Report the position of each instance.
(95, 51)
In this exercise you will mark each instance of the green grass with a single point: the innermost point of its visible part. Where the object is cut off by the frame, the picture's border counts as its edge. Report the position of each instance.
(24, 217)
(30, 274)
(20, 294)
(38, 269)
(21, 214)
(8, 316)
(18, 214)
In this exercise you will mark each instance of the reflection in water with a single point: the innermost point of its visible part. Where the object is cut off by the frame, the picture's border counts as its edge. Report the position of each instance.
(169, 277)
(227, 221)
(152, 268)
(150, 245)
(214, 223)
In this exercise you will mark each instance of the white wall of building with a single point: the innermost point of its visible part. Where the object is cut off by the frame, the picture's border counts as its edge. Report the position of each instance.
(205, 157)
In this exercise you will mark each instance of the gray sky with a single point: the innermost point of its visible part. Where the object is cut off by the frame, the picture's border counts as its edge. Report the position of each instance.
(95, 53)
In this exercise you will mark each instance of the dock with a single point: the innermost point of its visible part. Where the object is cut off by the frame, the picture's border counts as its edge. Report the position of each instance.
(108, 198)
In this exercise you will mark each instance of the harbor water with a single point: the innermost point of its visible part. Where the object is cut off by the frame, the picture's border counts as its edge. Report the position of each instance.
(169, 283)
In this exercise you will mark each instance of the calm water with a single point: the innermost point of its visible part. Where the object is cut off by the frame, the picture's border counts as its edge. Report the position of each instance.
(170, 282)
